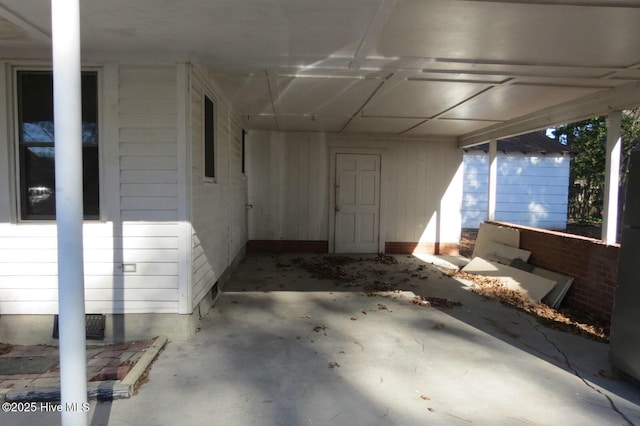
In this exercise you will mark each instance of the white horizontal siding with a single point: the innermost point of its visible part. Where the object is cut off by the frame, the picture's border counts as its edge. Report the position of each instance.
(28, 276)
(139, 149)
(50, 307)
(218, 208)
(532, 190)
(148, 137)
(148, 152)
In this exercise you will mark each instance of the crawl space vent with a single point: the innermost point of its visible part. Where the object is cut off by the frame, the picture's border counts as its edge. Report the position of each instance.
(94, 326)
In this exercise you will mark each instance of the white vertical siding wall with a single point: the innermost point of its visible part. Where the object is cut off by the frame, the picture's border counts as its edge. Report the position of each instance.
(532, 190)
(139, 205)
(289, 186)
(218, 208)
(289, 179)
(425, 192)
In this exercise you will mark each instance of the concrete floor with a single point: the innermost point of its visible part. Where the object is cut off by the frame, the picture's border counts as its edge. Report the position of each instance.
(284, 348)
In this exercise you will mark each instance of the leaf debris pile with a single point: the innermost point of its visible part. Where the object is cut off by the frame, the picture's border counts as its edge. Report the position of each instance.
(372, 289)
(5, 348)
(438, 302)
(386, 259)
(493, 288)
(330, 267)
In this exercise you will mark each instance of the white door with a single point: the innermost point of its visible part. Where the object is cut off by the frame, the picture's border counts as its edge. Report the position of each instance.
(357, 221)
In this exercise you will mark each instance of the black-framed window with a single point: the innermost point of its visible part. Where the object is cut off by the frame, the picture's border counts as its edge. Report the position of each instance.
(36, 145)
(244, 134)
(209, 138)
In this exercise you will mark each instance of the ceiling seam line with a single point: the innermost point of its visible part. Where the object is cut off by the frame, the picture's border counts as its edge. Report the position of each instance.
(363, 105)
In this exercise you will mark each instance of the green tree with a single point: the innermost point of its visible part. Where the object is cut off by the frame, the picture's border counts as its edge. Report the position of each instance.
(587, 140)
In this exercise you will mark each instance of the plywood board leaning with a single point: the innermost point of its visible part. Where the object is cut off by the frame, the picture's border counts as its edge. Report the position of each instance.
(504, 254)
(554, 298)
(533, 287)
(500, 234)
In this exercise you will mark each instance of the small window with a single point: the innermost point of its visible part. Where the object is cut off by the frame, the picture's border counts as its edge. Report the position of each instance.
(244, 134)
(209, 139)
(36, 145)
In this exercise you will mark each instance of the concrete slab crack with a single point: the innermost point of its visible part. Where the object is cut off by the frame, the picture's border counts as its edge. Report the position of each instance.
(575, 371)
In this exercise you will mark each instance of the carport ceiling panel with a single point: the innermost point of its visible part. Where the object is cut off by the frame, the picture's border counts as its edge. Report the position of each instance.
(423, 99)
(248, 94)
(260, 122)
(11, 32)
(508, 102)
(334, 96)
(390, 126)
(311, 123)
(633, 74)
(484, 71)
(442, 127)
(226, 29)
(513, 32)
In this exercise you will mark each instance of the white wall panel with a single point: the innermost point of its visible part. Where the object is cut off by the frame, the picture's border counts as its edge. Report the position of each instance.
(289, 186)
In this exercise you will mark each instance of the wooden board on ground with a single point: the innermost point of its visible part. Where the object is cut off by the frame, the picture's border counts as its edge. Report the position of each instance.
(500, 234)
(504, 254)
(554, 298)
(533, 287)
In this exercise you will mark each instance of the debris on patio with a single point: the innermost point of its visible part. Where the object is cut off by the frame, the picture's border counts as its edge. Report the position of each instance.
(5, 348)
(386, 259)
(329, 267)
(396, 277)
(532, 287)
(320, 328)
(439, 302)
(521, 284)
(493, 288)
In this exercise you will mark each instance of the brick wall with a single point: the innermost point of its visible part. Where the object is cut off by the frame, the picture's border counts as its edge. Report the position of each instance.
(288, 246)
(592, 264)
(427, 248)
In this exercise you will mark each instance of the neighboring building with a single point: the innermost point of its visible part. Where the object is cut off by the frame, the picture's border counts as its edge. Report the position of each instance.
(532, 185)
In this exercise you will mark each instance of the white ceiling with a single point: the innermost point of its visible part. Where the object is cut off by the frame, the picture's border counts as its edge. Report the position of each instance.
(469, 69)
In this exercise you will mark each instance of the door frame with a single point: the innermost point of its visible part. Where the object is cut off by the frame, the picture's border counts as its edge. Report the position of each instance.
(333, 152)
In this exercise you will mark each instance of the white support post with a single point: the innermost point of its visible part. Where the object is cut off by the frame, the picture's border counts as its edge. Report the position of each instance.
(612, 178)
(67, 98)
(493, 176)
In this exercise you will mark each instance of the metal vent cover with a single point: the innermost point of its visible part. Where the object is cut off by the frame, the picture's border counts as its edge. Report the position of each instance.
(94, 326)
